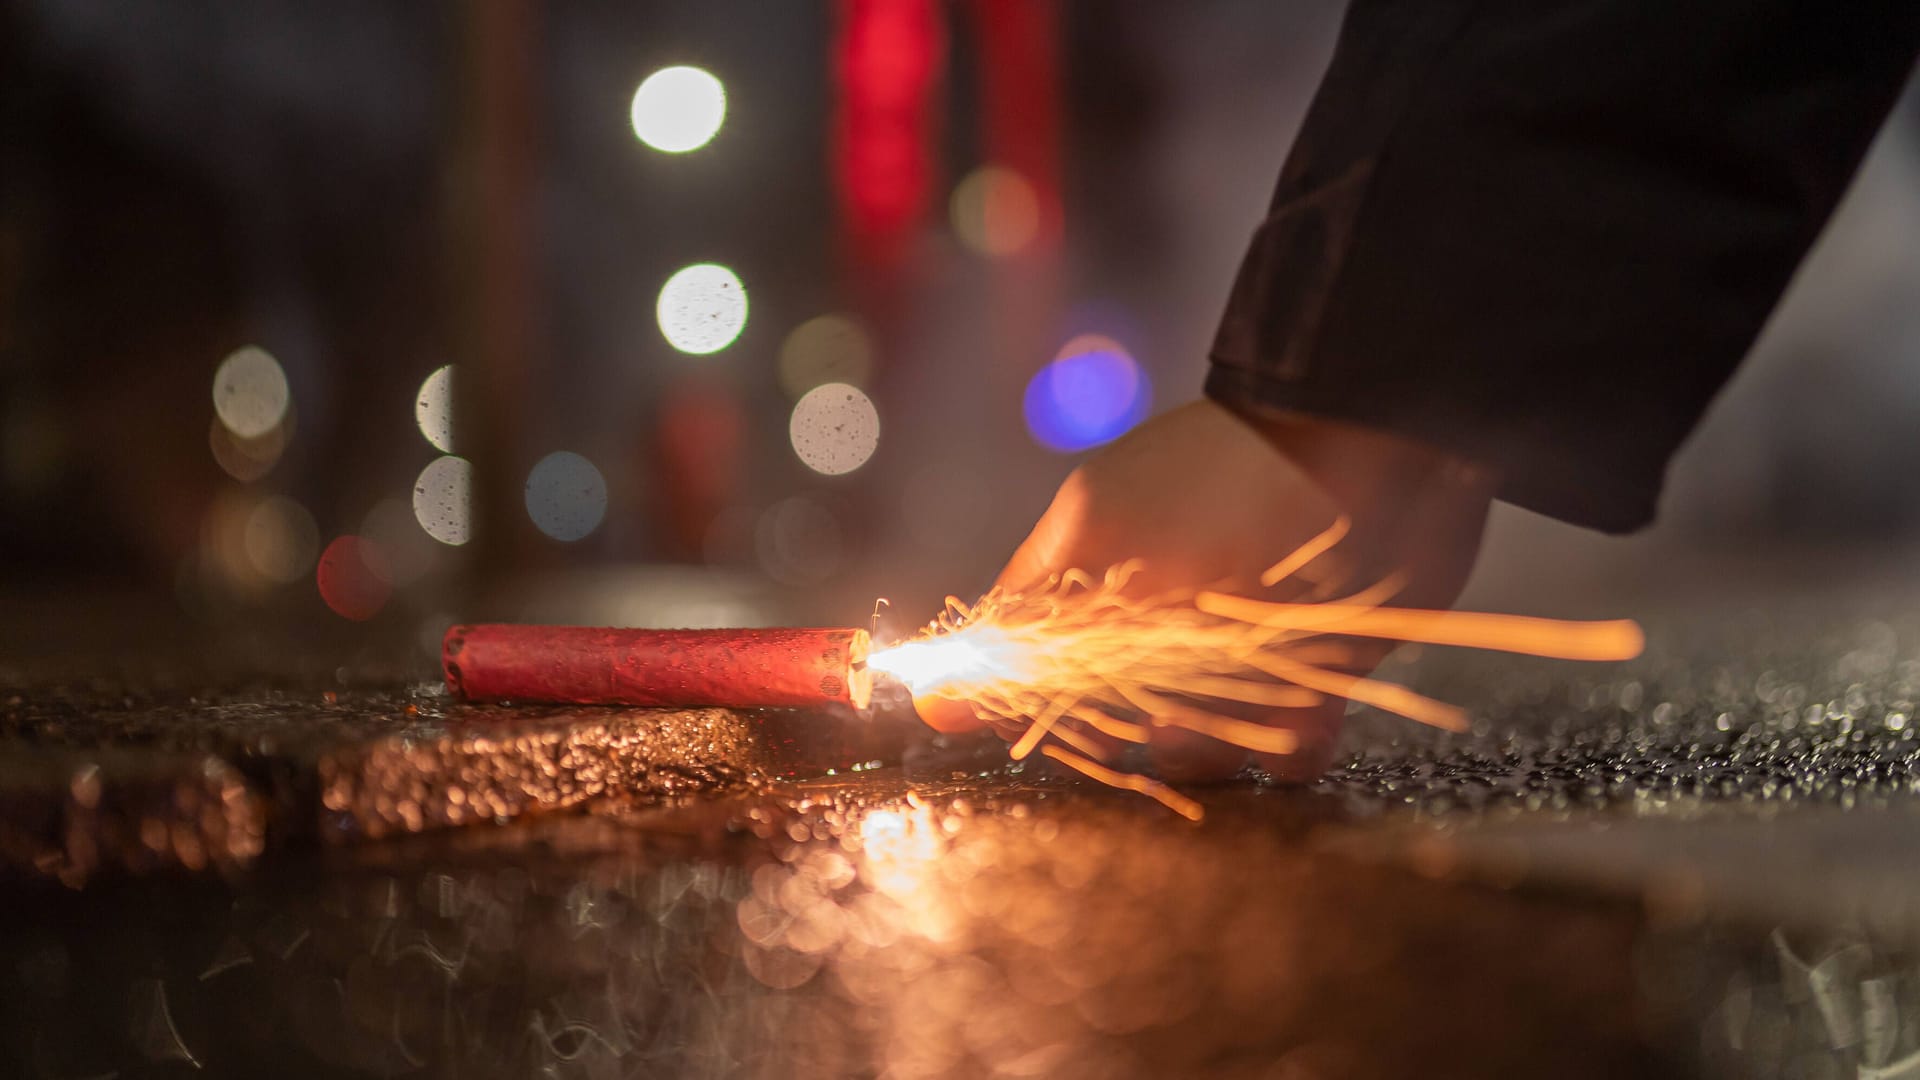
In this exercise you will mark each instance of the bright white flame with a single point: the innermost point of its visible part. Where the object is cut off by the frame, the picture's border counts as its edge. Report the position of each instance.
(678, 109)
(442, 499)
(250, 392)
(982, 655)
(566, 496)
(834, 429)
(702, 308)
(825, 349)
(433, 409)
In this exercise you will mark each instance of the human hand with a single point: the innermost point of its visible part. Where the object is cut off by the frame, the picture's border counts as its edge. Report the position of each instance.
(1206, 498)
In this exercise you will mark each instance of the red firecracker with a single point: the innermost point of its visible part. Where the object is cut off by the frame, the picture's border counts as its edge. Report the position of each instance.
(773, 668)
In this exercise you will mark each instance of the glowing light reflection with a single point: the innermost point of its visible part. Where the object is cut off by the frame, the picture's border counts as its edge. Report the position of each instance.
(834, 429)
(896, 849)
(702, 309)
(678, 109)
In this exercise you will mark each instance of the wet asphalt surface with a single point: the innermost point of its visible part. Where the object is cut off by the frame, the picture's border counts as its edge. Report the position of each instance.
(1703, 862)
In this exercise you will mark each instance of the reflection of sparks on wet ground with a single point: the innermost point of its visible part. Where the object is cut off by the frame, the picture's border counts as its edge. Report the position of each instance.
(1079, 660)
(982, 931)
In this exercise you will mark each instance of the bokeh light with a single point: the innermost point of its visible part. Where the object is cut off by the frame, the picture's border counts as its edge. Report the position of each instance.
(1092, 393)
(247, 460)
(702, 308)
(995, 211)
(825, 349)
(281, 539)
(223, 543)
(443, 499)
(566, 496)
(678, 109)
(250, 392)
(433, 409)
(799, 541)
(353, 577)
(834, 429)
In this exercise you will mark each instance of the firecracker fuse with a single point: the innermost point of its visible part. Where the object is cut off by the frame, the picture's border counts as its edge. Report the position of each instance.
(782, 667)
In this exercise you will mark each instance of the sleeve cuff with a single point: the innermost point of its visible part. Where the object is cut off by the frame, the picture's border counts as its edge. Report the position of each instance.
(1536, 476)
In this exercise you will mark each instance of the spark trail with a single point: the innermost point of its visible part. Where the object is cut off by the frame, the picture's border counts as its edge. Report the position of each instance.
(1078, 664)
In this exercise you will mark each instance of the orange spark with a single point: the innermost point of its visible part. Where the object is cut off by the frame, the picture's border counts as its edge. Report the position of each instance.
(1147, 786)
(1079, 660)
(1618, 639)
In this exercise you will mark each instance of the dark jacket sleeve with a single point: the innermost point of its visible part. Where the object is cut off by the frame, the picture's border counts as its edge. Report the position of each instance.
(1542, 233)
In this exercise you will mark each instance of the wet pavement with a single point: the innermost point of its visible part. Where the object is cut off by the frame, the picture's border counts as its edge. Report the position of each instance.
(1702, 863)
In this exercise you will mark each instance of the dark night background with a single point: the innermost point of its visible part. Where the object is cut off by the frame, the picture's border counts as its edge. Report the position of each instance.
(370, 191)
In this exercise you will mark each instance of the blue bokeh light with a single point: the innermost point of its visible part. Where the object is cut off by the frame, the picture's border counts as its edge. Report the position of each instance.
(1092, 393)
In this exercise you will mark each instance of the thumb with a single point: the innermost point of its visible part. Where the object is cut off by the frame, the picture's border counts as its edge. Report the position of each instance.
(946, 714)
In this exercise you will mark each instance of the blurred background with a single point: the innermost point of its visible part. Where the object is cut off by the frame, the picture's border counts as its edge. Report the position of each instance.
(357, 317)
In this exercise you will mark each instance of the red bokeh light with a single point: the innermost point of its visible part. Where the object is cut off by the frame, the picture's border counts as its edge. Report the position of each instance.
(355, 578)
(887, 60)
